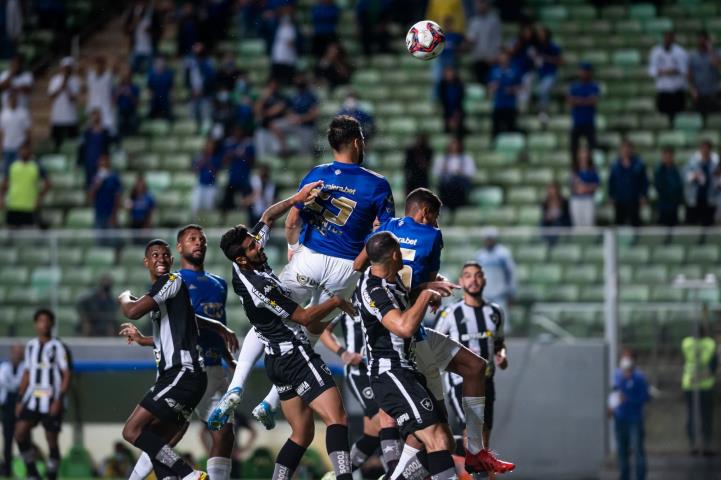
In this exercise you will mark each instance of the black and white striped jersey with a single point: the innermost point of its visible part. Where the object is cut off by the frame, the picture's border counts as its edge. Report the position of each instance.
(44, 363)
(353, 339)
(175, 329)
(373, 298)
(478, 328)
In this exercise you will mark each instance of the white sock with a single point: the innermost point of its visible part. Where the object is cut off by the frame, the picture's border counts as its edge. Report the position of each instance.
(142, 468)
(219, 468)
(272, 398)
(407, 455)
(474, 407)
(250, 352)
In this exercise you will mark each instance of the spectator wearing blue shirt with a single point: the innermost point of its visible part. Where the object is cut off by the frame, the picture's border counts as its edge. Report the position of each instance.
(303, 115)
(105, 194)
(127, 95)
(451, 91)
(629, 397)
(628, 186)
(583, 97)
(200, 80)
(505, 82)
(523, 54)
(669, 189)
(141, 204)
(239, 157)
(189, 29)
(549, 56)
(95, 144)
(449, 55)
(372, 16)
(206, 166)
(584, 183)
(160, 84)
(353, 108)
(325, 15)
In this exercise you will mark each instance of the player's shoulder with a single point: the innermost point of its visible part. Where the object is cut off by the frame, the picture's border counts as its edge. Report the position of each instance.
(217, 278)
(450, 309)
(373, 174)
(496, 309)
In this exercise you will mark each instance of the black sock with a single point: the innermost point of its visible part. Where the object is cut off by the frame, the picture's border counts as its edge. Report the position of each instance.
(336, 443)
(158, 450)
(422, 457)
(362, 449)
(288, 459)
(161, 471)
(440, 466)
(53, 463)
(28, 454)
(390, 447)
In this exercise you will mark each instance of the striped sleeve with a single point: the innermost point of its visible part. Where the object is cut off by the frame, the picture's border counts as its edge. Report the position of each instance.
(165, 288)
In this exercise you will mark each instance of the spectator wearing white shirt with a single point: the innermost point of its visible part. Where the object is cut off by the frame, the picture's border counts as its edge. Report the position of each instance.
(100, 81)
(14, 128)
(284, 52)
(668, 66)
(263, 195)
(454, 170)
(484, 36)
(139, 23)
(702, 185)
(64, 89)
(18, 80)
(500, 270)
(11, 373)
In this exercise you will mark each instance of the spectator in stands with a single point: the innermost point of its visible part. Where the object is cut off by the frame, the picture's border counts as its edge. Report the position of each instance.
(18, 79)
(454, 171)
(63, 89)
(105, 195)
(96, 143)
(669, 189)
(325, 15)
(668, 66)
(127, 97)
(286, 46)
(200, 80)
(15, 127)
(206, 166)
(217, 15)
(22, 190)
(189, 30)
(245, 106)
(699, 371)
(223, 116)
(11, 374)
(704, 76)
(98, 311)
(628, 186)
(228, 73)
(271, 109)
(523, 58)
(584, 183)
(419, 158)
(99, 82)
(13, 28)
(119, 464)
(628, 400)
(142, 26)
(141, 204)
(263, 196)
(702, 185)
(353, 108)
(583, 96)
(443, 11)
(449, 55)
(333, 67)
(160, 84)
(549, 58)
(485, 37)
(500, 271)
(451, 92)
(303, 114)
(504, 83)
(554, 209)
(239, 157)
(372, 16)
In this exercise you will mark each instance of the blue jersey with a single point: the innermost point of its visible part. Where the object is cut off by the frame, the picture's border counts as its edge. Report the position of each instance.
(341, 217)
(208, 294)
(421, 247)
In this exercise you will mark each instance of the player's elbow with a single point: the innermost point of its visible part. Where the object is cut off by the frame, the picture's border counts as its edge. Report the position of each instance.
(301, 317)
(132, 313)
(404, 331)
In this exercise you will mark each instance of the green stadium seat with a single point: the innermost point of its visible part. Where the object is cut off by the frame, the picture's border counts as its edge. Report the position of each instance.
(688, 121)
(183, 180)
(596, 57)
(566, 253)
(582, 12)
(531, 253)
(634, 293)
(634, 255)
(507, 176)
(675, 138)
(651, 274)
(538, 176)
(563, 293)
(8, 255)
(704, 254)
(553, 13)
(581, 273)
(529, 216)
(145, 161)
(642, 11)
(78, 276)
(591, 294)
(542, 141)
(81, 218)
(54, 163)
(673, 254)
(510, 143)
(100, 257)
(158, 180)
(22, 296)
(546, 273)
(522, 195)
(657, 26)
(626, 58)
(666, 293)
(628, 27)
(35, 255)
(487, 196)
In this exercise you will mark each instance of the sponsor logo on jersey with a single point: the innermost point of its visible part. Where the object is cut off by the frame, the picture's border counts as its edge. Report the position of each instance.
(427, 404)
(408, 240)
(302, 388)
(339, 188)
(284, 388)
(402, 419)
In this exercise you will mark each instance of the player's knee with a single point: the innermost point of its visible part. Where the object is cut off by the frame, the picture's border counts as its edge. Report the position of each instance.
(303, 437)
(131, 432)
(434, 438)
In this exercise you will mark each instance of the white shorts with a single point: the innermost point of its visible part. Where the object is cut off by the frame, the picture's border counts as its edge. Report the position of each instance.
(433, 355)
(312, 277)
(218, 382)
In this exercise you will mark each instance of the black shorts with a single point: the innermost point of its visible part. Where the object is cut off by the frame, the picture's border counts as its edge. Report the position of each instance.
(175, 395)
(360, 385)
(16, 218)
(300, 372)
(51, 423)
(403, 395)
(455, 396)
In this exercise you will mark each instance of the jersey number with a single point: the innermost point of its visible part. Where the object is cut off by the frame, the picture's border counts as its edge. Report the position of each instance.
(344, 205)
(406, 272)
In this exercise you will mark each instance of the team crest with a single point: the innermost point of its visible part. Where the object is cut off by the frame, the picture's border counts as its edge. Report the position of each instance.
(368, 393)
(427, 404)
(325, 368)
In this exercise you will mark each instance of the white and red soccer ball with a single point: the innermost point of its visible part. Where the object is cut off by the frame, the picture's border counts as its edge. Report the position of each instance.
(425, 40)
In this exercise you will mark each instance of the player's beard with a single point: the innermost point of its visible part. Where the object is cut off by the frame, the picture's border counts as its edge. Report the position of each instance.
(193, 260)
(477, 294)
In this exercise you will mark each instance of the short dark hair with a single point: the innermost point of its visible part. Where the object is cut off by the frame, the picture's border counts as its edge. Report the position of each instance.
(154, 242)
(380, 246)
(422, 197)
(190, 226)
(471, 263)
(44, 311)
(343, 130)
(232, 240)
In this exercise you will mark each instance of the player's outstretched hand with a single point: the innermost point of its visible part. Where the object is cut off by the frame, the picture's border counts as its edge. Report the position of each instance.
(435, 299)
(308, 193)
(346, 306)
(131, 332)
(444, 288)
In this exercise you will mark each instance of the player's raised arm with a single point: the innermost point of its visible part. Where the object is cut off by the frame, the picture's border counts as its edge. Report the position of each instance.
(405, 324)
(304, 195)
(361, 262)
(134, 309)
(228, 336)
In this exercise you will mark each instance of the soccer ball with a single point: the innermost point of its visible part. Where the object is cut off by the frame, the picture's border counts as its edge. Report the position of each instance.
(425, 40)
